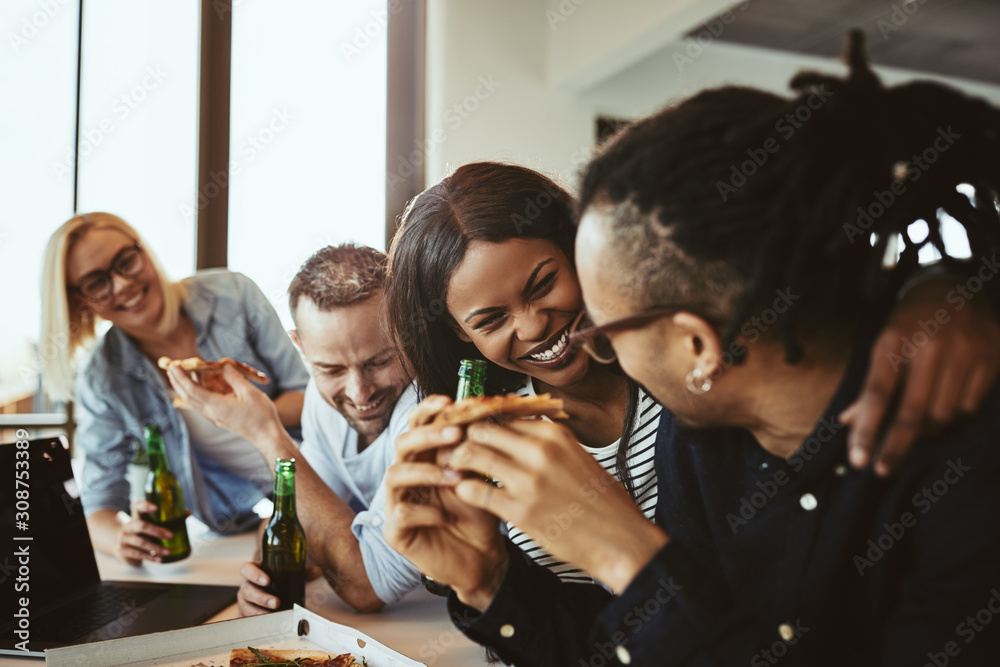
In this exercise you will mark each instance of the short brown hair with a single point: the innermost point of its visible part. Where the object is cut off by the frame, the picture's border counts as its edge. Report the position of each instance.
(338, 276)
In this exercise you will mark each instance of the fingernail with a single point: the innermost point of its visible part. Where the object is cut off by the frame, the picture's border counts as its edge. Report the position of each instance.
(272, 603)
(451, 433)
(857, 457)
(262, 581)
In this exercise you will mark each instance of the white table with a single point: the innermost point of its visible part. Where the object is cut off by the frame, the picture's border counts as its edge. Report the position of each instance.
(417, 626)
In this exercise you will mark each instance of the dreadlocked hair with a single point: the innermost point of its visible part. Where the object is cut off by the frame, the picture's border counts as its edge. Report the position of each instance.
(737, 195)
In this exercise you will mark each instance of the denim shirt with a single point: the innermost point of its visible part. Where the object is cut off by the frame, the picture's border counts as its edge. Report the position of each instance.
(119, 391)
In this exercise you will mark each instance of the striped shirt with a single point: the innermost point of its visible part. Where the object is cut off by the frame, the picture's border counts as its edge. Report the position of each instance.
(642, 439)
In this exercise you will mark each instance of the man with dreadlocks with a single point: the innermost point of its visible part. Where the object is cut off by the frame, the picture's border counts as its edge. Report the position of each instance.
(767, 546)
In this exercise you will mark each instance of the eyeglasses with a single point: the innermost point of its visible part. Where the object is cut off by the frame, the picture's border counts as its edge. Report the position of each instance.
(594, 339)
(97, 286)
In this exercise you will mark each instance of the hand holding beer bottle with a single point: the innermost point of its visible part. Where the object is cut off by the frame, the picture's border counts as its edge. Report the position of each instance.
(283, 545)
(163, 490)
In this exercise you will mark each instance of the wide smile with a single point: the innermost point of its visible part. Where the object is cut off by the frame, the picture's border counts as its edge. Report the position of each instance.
(133, 301)
(554, 352)
(372, 408)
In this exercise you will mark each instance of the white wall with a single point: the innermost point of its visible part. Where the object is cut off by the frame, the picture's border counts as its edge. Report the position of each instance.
(554, 77)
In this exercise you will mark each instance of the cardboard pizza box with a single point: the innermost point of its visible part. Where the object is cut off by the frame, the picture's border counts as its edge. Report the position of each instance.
(209, 645)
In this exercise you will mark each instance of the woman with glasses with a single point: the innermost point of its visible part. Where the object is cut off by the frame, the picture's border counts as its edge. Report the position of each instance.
(767, 545)
(97, 269)
(483, 267)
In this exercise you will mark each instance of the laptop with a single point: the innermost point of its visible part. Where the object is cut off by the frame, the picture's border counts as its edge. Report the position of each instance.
(50, 589)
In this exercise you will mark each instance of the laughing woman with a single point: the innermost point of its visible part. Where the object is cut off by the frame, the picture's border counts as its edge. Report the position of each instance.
(97, 268)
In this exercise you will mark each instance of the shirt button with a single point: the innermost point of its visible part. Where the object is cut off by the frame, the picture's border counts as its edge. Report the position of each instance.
(763, 466)
(507, 631)
(808, 502)
(840, 470)
(786, 632)
(623, 655)
(376, 521)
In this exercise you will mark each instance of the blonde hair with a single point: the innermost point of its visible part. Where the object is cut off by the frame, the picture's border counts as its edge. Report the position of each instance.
(67, 325)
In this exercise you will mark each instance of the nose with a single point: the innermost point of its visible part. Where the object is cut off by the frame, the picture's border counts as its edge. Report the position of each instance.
(118, 282)
(532, 325)
(359, 388)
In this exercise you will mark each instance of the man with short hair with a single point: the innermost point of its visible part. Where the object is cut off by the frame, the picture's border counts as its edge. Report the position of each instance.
(355, 405)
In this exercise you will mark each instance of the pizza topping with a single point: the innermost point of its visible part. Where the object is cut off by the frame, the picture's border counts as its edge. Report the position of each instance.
(478, 408)
(253, 657)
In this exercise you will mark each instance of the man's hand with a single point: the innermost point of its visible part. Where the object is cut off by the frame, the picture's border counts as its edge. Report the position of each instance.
(252, 599)
(451, 542)
(936, 360)
(247, 412)
(556, 492)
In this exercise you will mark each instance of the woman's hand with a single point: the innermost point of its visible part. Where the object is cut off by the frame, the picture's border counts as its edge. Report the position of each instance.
(451, 542)
(137, 538)
(936, 359)
(247, 412)
(556, 492)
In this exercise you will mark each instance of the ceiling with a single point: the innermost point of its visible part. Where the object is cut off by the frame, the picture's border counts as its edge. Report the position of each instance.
(956, 38)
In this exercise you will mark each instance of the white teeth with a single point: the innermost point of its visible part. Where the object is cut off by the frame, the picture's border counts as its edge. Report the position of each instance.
(369, 406)
(553, 351)
(133, 301)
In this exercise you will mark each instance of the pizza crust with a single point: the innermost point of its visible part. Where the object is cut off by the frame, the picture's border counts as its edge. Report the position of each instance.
(479, 408)
(210, 374)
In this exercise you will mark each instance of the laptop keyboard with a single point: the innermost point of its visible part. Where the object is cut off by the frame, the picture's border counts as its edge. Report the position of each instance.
(91, 612)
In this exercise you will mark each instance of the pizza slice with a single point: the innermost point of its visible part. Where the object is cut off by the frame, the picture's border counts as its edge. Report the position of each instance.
(478, 408)
(254, 657)
(210, 373)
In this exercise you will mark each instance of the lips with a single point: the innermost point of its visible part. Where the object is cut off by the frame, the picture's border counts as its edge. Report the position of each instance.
(133, 301)
(553, 351)
(370, 409)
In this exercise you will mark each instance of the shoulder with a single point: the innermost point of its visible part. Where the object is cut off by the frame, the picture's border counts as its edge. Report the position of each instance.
(103, 361)
(218, 282)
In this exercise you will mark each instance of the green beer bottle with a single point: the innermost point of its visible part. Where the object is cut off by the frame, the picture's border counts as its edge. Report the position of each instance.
(283, 546)
(163, 489)
(471, 382)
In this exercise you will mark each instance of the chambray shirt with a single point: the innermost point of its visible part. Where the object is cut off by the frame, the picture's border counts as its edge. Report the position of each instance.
(119, 391)
(798, 562)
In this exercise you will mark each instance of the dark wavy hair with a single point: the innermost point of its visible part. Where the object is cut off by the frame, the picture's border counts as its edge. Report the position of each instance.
(482, 201)
(737, 193)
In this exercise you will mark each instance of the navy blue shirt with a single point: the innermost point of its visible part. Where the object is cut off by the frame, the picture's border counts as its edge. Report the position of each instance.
(804, 561)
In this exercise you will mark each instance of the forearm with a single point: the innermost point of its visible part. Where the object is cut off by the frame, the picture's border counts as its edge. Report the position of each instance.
(105, 527)
(289, 406)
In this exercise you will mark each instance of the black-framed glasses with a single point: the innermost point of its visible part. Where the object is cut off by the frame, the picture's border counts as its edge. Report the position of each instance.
(97, 286)
(594, 339)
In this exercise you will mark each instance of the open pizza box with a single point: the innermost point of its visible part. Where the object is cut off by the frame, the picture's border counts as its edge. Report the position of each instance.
(209, 645)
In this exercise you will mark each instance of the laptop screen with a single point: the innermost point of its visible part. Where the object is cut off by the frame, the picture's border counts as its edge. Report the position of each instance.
(39, 499)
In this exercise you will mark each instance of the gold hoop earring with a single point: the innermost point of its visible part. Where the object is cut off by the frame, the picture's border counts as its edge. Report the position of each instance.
(698, 382)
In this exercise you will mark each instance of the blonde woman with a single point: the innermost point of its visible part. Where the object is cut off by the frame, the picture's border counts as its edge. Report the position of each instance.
(98, 268)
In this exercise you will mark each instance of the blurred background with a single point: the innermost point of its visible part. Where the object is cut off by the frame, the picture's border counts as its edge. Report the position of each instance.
(249, 133)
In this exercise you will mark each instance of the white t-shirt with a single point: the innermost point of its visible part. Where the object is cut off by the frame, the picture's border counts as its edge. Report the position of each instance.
(641, 471)
(228, 449)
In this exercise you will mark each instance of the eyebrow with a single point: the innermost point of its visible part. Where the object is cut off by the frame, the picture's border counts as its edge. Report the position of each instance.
(524, 293)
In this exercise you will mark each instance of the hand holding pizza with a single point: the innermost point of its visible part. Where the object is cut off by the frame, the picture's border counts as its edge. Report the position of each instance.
(450, 541)
(556, 492)
(244, 409)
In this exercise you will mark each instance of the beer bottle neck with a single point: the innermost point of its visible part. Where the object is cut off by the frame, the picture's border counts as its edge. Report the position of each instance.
(157, 457)
(284, 493)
